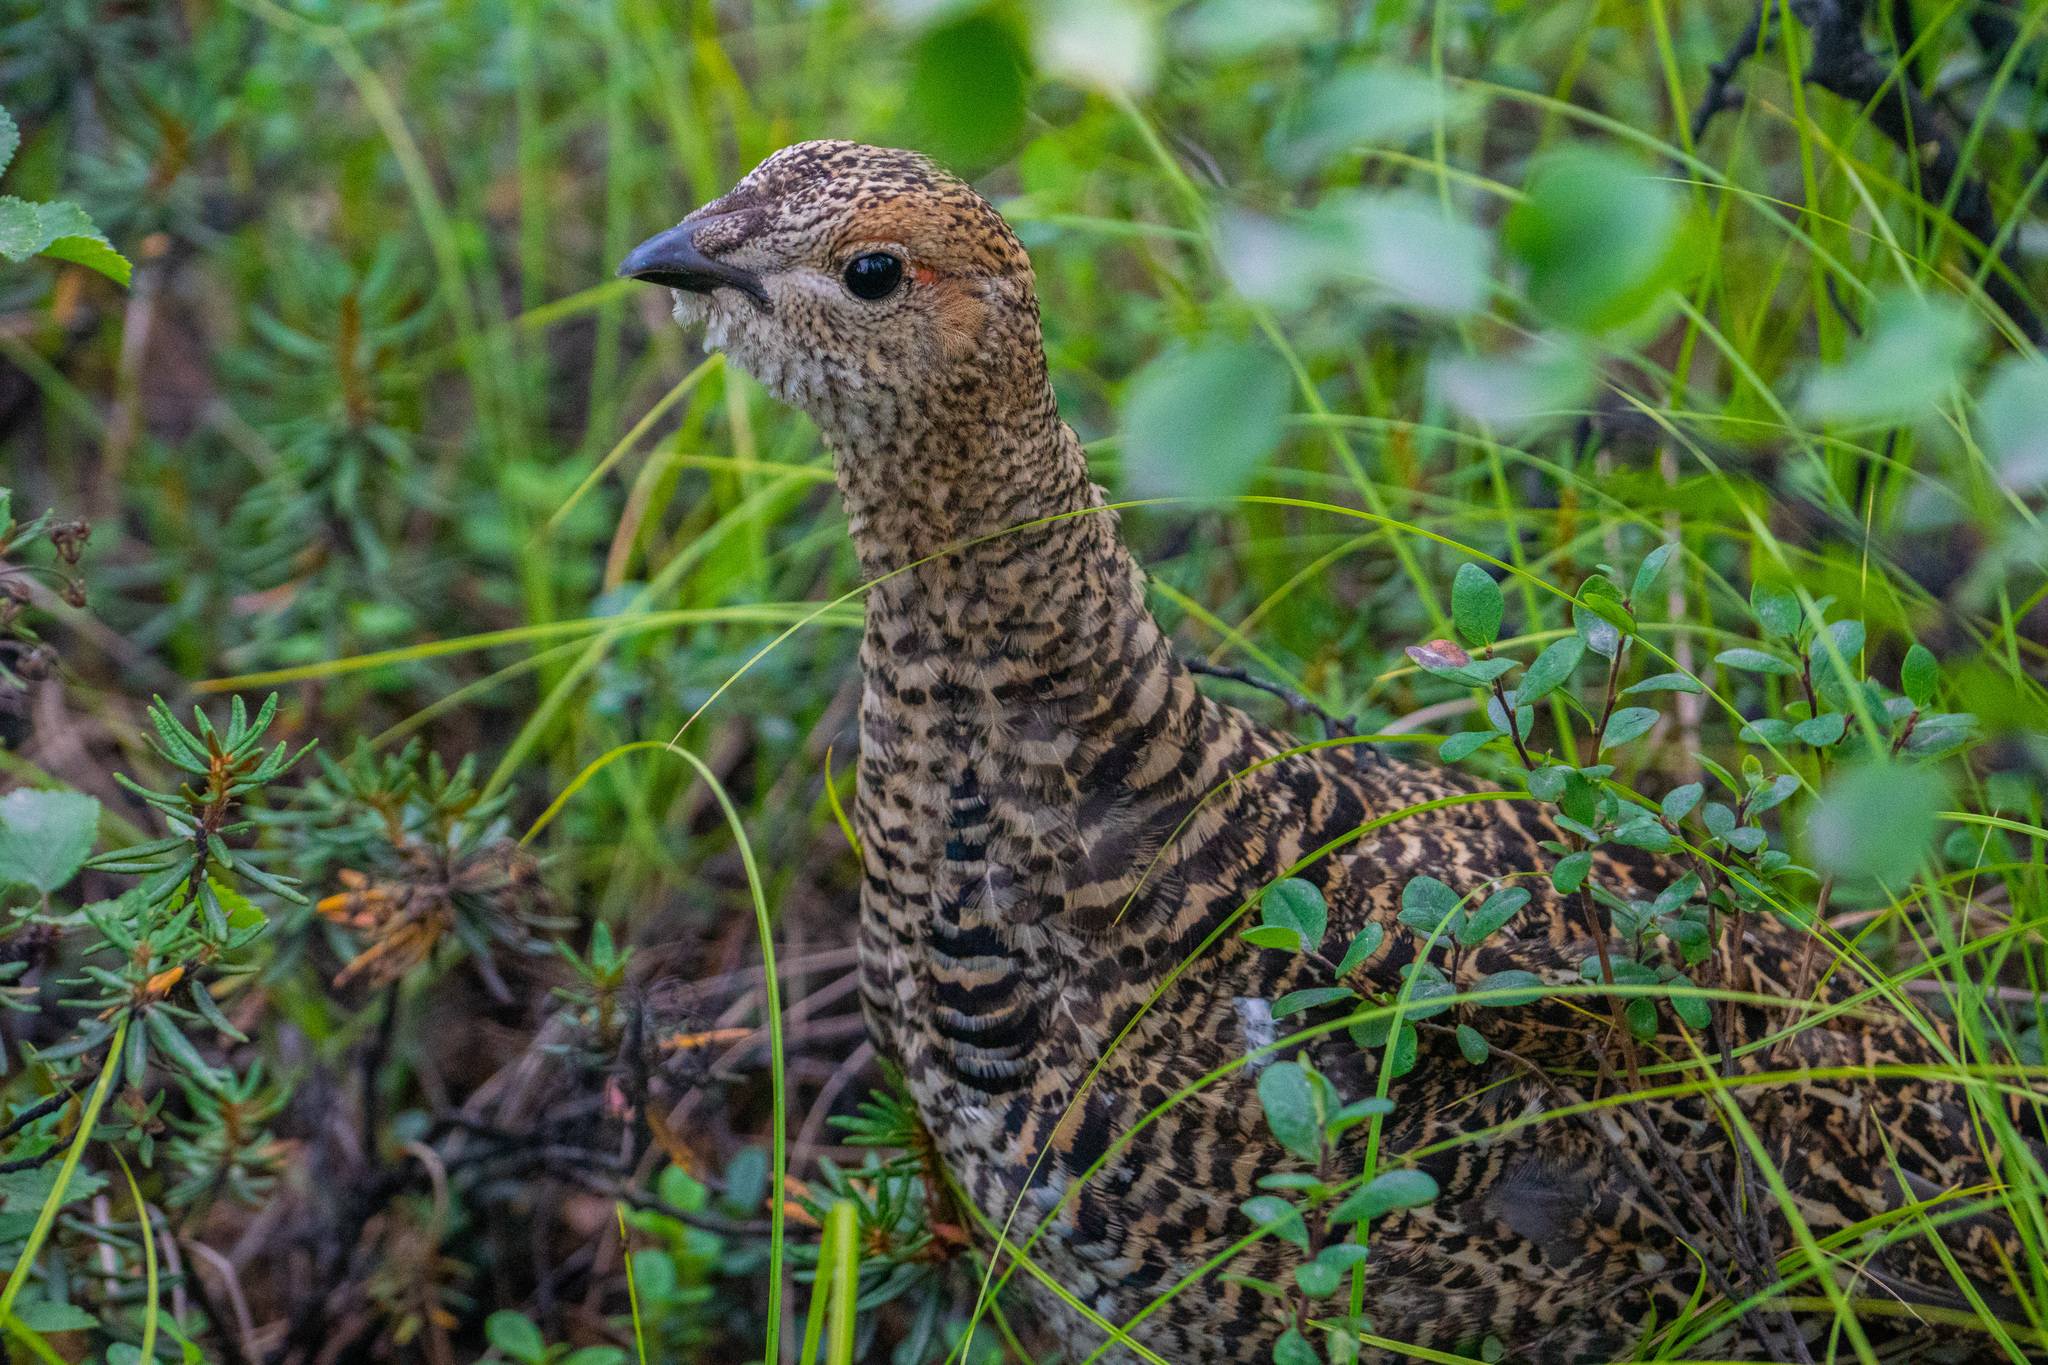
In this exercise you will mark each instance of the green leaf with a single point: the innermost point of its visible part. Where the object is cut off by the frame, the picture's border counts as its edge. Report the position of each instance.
(1776, 607)
(1652, 566)
(1919, 675)
(1938, 735)
(1271, 1211)
(1910, 359)
(1570, 872)
(1756, 661)
(2012, 415)
(1318, 1281)
(1275, 936)
(1679, 801)
(1821, 731)
(1289, 1100)
(1551, 668)
(1646, 834)
(966, 92)
(1464, 744)
(62, 230)
(1343, 1255)
(1876, 821)
(1666, 682)
(1198, 422)
(1476, 605)
(1642, 1018)
(1295, 904)
(1626, 724)
(1386, 1192)
(1382, 106)
(1294, 1002)
(1498, 909)
(1695, 1012)
(41, 1315)
(94, 253)
(515, 1335)
(174, 1045)
(1518, 390)
(25, 228)
(1227, 29)
(10, 139)
(1549, 783)
(1293, 1349)
(1527, 986)
(1603, 599)
(1426, 903)
(1848, 637)
(1598, 236)
(1473, 1044)
(45, 836)
(1362, 947)
(1769, 730)
(1407, 1047)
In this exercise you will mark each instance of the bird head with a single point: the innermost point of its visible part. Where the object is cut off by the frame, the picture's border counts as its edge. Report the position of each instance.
(862, 284)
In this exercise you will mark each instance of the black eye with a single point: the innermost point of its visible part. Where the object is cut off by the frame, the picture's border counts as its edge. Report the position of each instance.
(874, 276)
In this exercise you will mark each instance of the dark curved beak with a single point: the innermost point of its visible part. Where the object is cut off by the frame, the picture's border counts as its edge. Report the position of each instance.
(671, 258)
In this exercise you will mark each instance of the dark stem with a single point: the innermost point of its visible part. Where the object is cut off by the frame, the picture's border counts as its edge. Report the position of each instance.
(1844, 65)
(1500, 694)
(1720, 74)
(373, 1065)
(1596, 924)
(1333, 728)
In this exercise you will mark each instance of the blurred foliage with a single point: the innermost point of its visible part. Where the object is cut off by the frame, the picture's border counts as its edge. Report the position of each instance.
(372, 428)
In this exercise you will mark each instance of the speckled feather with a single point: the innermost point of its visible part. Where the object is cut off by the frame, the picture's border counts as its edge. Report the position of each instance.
(1050, 828)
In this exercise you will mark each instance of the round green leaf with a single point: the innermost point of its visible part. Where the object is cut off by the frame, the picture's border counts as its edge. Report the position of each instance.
(1197, 423)
(515, 1335)
(965, 96)
(1570, 872)
(1598, 236)
(1295, 904)
(45, 836)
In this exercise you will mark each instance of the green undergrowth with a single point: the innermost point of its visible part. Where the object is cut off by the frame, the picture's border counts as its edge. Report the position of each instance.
(1448, 379)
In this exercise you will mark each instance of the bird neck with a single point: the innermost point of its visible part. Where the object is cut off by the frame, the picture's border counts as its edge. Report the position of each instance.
(1016, 685)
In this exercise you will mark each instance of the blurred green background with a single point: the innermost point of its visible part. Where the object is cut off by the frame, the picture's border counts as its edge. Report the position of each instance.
(373, 426)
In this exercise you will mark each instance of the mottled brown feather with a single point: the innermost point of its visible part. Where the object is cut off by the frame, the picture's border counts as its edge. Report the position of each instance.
(1051, 827)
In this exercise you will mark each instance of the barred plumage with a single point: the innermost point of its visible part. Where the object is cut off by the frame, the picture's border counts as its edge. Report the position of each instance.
(1056, 820)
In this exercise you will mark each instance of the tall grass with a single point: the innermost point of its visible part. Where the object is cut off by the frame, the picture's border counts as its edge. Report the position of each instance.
(560, 537)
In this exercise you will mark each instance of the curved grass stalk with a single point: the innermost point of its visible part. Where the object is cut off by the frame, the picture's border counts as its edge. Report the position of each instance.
(771, 1008)
(632, 1286)
(663, 583)
(46, 1216)
(716, 360)
(766, 613)
(150, 1304)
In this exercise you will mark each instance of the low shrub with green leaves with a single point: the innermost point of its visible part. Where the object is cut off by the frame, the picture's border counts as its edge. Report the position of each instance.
(1638, 406)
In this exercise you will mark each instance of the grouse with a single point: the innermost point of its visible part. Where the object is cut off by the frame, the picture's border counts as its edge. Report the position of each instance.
(1057, 826)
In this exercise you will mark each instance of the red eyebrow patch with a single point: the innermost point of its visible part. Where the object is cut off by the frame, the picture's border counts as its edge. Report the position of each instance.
(924, 274)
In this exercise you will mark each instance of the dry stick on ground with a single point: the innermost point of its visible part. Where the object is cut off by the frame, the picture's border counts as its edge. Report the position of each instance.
(814, 1123)
(1844, 65)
